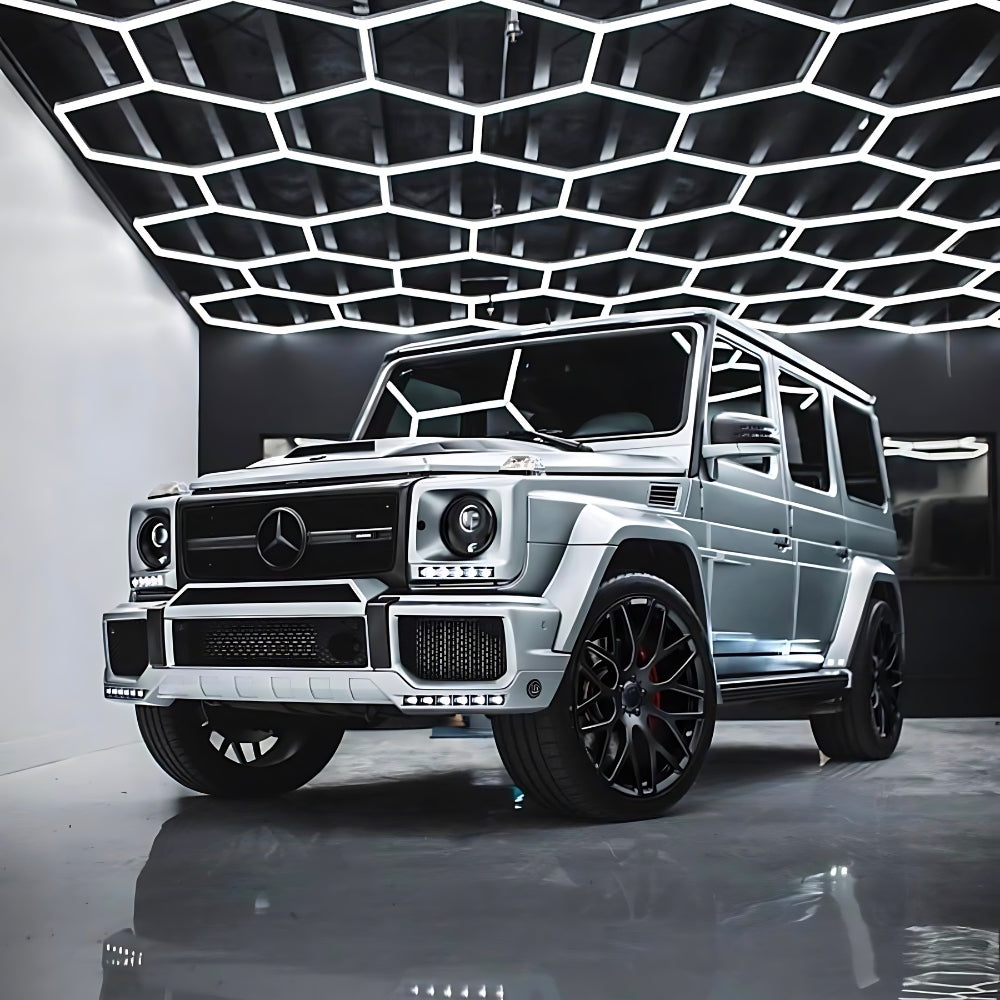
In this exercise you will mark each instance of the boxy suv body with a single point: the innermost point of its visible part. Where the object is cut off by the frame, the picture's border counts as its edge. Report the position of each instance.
(601, 536)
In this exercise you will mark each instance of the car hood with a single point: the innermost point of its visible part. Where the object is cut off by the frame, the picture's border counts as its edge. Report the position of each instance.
(405, 458)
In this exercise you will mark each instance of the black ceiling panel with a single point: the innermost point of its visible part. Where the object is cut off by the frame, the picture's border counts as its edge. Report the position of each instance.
(405, 166)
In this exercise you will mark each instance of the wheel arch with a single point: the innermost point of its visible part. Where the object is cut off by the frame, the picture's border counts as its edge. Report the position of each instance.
(672, 562)
(869, 578)
(609, 541)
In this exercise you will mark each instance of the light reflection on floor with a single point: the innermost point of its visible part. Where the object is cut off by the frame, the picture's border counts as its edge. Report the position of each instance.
(412, 870)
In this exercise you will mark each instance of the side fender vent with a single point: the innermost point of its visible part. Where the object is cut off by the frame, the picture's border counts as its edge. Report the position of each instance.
(666, 495)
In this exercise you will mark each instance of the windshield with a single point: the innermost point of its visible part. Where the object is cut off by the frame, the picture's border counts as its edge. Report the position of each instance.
(614, 384)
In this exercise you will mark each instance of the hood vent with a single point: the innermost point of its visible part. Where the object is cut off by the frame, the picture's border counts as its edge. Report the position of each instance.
(666, 495)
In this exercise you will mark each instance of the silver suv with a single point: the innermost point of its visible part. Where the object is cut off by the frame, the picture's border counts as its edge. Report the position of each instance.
(601, 536)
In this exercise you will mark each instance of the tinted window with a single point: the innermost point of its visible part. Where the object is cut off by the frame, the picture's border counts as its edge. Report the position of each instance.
(804, 432)
(736, 385)
(618, 384)
(942, 506)
(856, 437)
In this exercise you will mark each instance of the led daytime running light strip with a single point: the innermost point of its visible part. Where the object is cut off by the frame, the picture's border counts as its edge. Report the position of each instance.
(128, 694)
(453, 700)
(456, 572)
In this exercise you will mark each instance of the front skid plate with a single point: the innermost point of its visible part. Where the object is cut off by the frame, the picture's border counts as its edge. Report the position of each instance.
(359, 688)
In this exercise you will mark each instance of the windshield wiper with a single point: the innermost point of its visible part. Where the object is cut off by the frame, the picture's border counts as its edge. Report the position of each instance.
(567, 444)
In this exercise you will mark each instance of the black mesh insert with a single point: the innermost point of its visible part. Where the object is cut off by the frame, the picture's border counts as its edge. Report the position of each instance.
(453, 649)
(128, 654)
(270, 642)
(219, 537)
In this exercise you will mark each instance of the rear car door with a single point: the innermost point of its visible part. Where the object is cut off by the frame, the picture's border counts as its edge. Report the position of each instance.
(867, 519)
(816, 510)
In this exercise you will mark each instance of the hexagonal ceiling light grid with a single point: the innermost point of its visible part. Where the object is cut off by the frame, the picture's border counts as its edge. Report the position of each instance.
(444, 165)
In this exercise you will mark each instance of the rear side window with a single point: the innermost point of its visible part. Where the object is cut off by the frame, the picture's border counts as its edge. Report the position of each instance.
(804, 432)
(858, 455)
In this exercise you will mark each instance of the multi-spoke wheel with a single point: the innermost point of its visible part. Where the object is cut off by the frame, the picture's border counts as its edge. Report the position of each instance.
(630, 725)
(868, 725)
(236, 752)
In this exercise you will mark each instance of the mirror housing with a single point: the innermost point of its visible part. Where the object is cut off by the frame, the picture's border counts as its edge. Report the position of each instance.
(740, 435)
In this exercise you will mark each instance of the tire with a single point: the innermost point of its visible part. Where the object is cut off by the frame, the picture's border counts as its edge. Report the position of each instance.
(868, 725)
(632, 720)
(203, 747)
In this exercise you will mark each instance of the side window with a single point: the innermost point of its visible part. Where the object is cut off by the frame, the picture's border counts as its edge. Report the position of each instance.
(856, 435)
(804, 432)
(737, 384)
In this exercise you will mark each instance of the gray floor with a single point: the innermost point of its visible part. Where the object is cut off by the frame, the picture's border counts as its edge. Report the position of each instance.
(411, 866)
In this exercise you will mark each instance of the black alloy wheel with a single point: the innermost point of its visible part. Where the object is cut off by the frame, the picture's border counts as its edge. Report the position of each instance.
(869, 723)
(633, 718)
(887, 673)
(235, 752)
(639, 696)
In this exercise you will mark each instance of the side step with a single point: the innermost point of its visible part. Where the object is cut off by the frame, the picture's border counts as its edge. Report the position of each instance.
(765, 687)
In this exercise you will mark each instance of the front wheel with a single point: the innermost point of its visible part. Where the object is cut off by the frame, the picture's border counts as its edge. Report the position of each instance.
(238, 753)
(869, 722)
(629, 727)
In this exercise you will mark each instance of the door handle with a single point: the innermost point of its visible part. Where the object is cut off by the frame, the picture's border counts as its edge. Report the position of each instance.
(783, 542)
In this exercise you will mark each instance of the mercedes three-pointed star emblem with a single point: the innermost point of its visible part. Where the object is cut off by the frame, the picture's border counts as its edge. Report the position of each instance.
(281, 538)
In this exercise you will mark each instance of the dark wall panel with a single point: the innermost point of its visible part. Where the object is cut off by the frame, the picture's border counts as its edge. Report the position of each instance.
(314, 383)
(930, 383)
(255, 384)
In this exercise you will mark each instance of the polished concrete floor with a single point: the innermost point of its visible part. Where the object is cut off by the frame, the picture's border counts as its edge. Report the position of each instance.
(412, 868)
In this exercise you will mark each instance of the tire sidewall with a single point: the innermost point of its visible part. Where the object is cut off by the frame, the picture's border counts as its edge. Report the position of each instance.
(862, 681)
(571, 747)
(191, 754)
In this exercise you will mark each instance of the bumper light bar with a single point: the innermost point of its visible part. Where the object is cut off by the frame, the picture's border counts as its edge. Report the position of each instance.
(142, 582)
(456, 992)
(124, 694)
(121, 955)
(456, 572)
(453, 700)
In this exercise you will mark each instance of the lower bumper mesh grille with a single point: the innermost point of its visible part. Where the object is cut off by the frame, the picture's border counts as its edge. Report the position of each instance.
(453, 649)
(128, 653)
(279, 642)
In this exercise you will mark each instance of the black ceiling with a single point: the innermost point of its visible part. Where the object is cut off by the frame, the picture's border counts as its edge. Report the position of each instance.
(398, 166)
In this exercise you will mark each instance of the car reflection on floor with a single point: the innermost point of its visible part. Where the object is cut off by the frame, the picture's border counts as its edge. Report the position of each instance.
(379, 893)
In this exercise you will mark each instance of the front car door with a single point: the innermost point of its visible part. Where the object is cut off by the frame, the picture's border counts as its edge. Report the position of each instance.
(748, 557)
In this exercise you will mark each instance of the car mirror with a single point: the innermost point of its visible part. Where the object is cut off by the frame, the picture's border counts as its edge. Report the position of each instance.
(740, 435)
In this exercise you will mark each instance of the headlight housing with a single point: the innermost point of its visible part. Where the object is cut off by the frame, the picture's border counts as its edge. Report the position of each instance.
(153, 540)
(468, 526)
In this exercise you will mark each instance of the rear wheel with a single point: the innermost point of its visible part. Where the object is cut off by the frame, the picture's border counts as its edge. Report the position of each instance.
(236, 752)
(633, 718)
(868, 725)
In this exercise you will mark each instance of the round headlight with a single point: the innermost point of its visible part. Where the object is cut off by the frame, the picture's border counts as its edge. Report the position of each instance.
(153, 541)
(469, 525)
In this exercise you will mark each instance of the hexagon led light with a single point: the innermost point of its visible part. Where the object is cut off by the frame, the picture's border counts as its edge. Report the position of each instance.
(416, 167)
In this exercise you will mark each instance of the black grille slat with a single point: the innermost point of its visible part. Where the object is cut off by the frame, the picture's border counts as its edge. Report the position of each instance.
(453, 649)
(349, 534)
(274, 642)
(664, 495)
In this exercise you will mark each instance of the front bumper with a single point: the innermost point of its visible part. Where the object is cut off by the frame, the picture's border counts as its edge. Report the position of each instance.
(530, 624)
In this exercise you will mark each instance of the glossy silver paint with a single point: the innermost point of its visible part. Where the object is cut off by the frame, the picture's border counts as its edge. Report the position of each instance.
(783, 570)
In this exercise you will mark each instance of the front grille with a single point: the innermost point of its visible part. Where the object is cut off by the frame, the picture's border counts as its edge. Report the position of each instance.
(128, 654)
(453, 649)
(345, 534)
(270, 642)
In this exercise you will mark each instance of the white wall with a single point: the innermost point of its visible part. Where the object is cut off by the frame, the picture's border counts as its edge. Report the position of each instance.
(98, 402)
